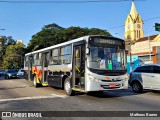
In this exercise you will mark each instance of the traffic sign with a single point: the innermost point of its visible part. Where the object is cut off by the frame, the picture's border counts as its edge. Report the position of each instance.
(157, 27)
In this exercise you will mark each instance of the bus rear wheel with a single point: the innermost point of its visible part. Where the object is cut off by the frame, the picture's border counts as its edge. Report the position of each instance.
(68, 88)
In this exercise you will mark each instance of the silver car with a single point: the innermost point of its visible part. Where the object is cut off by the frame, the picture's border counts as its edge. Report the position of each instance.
(145, 77)
(20, 73)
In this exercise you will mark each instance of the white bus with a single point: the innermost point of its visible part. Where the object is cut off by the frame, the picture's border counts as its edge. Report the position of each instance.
(89, 63)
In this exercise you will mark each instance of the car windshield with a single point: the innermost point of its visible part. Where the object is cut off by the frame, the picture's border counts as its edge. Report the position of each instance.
(106, 58)
(21, 71)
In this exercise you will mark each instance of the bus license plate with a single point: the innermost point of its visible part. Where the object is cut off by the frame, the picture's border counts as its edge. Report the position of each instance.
(112, 85)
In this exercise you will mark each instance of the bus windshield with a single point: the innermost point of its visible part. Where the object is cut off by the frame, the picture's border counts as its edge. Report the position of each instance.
(108, 58)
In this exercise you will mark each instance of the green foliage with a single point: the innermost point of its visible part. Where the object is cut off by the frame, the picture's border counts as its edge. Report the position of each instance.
(12, 54)
(53, 34)
(6, 42)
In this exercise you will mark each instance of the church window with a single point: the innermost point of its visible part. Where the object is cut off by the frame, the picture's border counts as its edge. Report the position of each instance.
(135, 34)
(128, 37)
(138, 19)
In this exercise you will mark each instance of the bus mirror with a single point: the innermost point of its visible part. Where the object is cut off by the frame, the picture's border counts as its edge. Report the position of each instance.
(87, 51)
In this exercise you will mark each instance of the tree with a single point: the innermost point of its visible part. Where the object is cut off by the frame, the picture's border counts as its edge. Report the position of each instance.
(44, 38)
(6, 42)
(13, 56)
(53, 34)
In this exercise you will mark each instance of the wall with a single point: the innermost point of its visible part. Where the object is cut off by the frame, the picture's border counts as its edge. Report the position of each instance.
(141, 47)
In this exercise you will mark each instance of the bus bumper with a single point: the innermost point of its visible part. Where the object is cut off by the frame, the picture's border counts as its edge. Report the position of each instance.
(103, 85)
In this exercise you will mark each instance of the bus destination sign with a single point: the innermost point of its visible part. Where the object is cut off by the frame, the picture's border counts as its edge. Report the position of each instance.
(107, 41)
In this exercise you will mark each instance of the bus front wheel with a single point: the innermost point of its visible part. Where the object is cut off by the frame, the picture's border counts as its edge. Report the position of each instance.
(68, 88)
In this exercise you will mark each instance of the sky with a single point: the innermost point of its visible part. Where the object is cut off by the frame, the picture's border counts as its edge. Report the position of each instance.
(23, 20)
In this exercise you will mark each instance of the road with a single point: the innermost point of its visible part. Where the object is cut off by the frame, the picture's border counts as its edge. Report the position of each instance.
(20, 95)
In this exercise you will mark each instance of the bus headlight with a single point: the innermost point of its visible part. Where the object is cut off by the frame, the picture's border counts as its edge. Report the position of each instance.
(93, 79)
(90, 77)
(96, 80)
(127, 78)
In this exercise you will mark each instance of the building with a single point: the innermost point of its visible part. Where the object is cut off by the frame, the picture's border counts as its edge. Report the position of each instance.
(133, 25)
(19, 41)
(146, 49)
(142, 50)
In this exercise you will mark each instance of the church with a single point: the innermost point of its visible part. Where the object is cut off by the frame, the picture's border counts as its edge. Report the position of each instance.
(142, 50)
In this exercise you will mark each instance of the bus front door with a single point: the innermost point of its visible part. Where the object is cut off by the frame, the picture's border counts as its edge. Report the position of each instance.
(79, 67)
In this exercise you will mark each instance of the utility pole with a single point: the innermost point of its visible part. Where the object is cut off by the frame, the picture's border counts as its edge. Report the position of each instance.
(149, 45)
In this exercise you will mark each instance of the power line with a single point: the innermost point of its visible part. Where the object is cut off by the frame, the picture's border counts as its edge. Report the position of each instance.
(62, 1)
(158, 17)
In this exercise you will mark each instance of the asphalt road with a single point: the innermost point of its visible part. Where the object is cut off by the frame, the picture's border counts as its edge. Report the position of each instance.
(20, 95)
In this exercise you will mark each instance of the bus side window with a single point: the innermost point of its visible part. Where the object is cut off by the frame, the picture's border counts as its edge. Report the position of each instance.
(78, 57)
(26, 61)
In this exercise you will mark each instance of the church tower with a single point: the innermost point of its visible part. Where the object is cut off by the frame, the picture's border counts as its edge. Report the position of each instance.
(133, 25)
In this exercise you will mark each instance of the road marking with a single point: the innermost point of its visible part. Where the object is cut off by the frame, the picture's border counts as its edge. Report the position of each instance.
(62, 96)
(24, 85)
(10, 81)
(32, 98)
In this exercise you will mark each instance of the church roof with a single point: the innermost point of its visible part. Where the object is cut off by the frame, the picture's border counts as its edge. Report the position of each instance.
(152, 37)
(133, 11)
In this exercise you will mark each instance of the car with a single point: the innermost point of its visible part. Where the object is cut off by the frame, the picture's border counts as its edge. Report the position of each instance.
(145, 77)
(11, 73)
(20, 73)
(2, 72)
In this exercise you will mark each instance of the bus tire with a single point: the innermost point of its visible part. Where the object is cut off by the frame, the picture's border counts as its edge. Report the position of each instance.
(35, 82)
(67, 87)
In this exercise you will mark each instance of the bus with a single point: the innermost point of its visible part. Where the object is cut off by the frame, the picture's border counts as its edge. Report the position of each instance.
(86, 64)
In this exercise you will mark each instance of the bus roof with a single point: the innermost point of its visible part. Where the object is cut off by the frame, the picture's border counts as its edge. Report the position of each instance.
(54, 46)
(65, 43)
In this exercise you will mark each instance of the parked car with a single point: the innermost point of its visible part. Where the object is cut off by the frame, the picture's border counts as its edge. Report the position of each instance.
(20, 73)
(2, 72)
(145, 77)
(11, 73)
